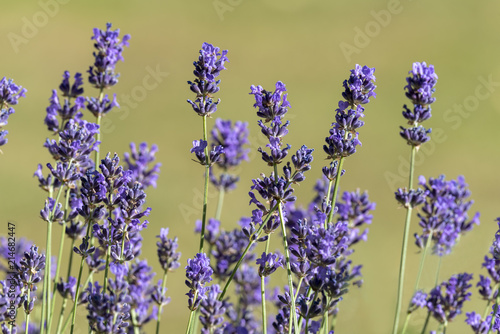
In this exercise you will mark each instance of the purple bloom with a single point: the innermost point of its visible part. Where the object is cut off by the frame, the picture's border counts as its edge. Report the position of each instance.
(446, 300)
(212, 312)
(478, 325)
(359, 87)
(419, 89)
(270, 104)
(208, 67)
(29, 273)
(198, 149)
(67, 290)
(412, 198)
(268, 263)
(167, 251)
(9, 96)
(419, 300)
(108, 52)
(444, 215)
(232, 138)
(140, 163)
(99, 107)
(198, 273)
(421, 84)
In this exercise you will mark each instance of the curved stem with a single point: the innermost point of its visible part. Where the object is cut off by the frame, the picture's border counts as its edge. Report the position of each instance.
(66, 323)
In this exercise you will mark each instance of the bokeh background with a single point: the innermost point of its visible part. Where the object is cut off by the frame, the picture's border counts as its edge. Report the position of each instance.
(310, 45)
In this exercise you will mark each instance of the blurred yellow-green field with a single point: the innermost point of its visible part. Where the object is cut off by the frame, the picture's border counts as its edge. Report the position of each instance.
(310, 45)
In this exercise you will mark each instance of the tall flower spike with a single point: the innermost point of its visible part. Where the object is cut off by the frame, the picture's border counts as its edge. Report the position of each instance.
(208, 67)
(419, 89)
(108, 52)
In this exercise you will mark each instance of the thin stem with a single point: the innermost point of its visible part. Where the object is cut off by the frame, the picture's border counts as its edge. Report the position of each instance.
(66, 323)
(330, 184)
(61, 247)
(191, 316)
(220, 203)
(436, 281)
(250, 243)
(78, 285)
(27, 312)
(335, 190)
(205, 192)
(293, 311)
(405, 245)
(163, 285)
(108, 252)
(402, 269)
(263, 293)
(417, 282)
(133, 316)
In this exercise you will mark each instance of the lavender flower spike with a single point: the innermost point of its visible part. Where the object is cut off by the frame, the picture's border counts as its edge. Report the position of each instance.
(198, 273)
(9, 96)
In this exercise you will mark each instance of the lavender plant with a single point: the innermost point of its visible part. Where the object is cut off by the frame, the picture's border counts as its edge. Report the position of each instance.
(100, 205)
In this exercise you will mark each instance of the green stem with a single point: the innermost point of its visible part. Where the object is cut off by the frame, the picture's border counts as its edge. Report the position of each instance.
(402, 269)
(108, 252)
(78, 285)
(61, 247)
(163, 285)
(191, 316)
(133, 316)
(205, 190)
(293, 310)
(263, 293)
(220, 202)
(250, 243)
(417, 282)
(66, 323)
(330, 184)
(335, 190)
(27, 312)
(436, 281)
(405, 245)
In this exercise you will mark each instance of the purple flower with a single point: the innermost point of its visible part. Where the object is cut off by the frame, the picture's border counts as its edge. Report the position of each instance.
(421, 84)
(140, 163)
(478, 325)
(270, 104)
(419, 89)
(419, 300)
(9, 96)
(446, 300)
(232, 138)
(99, 107)
(208, 67)
(167, 251)
(212, 312)
(359, 87)
(67, 290)
(269, 263)
(108, 52)
(198, 273)
(29, 273)
(412, 198)
(444, 215)
(198, 149)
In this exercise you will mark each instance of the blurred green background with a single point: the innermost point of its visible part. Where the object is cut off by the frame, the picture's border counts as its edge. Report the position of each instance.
(310, 46)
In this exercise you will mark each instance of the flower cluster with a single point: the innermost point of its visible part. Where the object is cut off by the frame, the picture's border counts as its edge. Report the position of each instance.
(9, 96)
(343, 137)
(444, 216)
(419, 89)
(446, 300)
(206, 70)
(108, 52)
